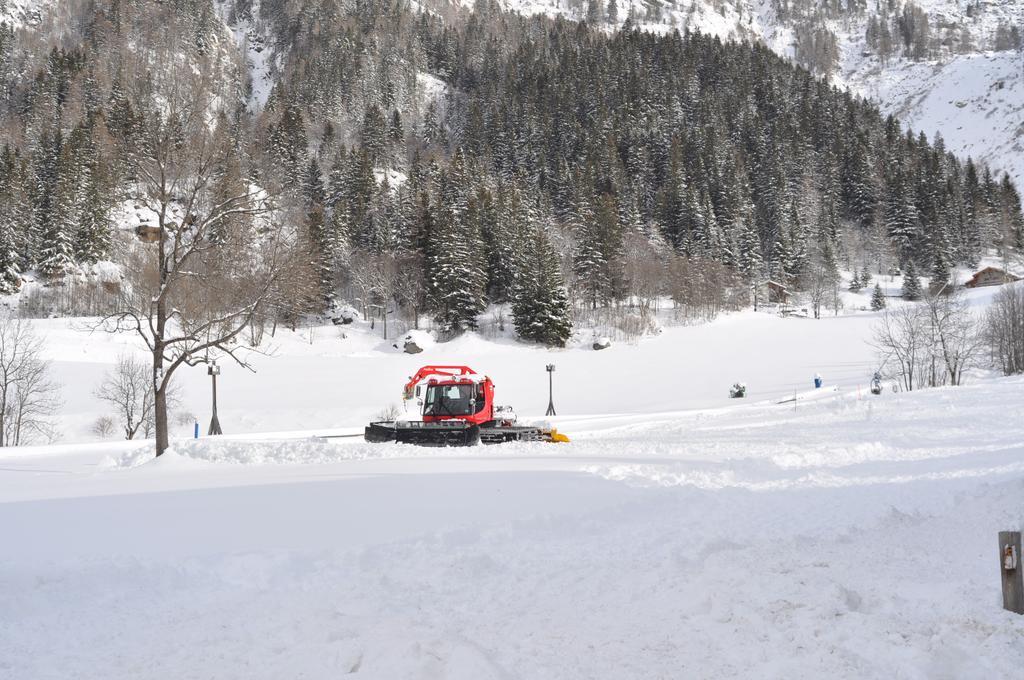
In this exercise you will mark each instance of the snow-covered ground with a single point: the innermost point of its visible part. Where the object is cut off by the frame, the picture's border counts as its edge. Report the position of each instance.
(316, 379)
(680, 534)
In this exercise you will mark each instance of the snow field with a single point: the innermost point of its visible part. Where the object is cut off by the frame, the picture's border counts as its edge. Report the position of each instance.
(680, 534)
(518, 563)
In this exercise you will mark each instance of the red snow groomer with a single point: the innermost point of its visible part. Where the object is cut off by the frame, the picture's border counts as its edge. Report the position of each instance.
(457, 406)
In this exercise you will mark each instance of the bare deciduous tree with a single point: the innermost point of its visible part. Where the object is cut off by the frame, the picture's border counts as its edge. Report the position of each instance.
(128, 387)
(28, 397)
(701, 289)
(1004, 329)
(384, 281)
(901, 337)
(955, 340)
(220, 250)
(103, 427)
(818, 287)
(930, 343)
(410, 287)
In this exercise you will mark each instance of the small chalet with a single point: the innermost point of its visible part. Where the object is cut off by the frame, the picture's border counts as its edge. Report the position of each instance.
(775, 292)
(991, 276)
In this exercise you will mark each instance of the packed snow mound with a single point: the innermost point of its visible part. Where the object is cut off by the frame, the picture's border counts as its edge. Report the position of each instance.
(106, 271)
(242, 452)
(415, 341)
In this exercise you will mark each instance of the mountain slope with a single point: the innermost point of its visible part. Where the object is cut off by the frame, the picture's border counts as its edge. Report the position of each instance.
(971, 43)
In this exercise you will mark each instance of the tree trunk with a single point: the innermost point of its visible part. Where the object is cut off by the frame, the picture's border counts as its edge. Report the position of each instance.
(160, 416)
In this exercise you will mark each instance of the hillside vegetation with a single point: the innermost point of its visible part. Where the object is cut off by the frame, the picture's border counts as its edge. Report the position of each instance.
(437, 163)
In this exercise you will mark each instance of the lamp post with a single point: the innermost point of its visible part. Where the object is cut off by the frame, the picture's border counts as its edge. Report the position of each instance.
(551, 398)
(213, 370)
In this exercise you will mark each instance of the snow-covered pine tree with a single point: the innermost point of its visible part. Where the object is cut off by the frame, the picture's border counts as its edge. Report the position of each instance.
(498, 226)
(911, 282)
(877, 298)
(1011, 218)
(589, 264)
(56, 256)
(940, 273)
(455, 272)
(540, 309)
(94, 238)
(855, 283)
(865, 276)
(91, 230)
(289, 144)
(901, 219)
(859, 191)
(321, 268)
(749, 256)
(359, 195)
(12, 218)
(373, 133)
(10, 278)
(613, 13)
(798, 260)
(10, 274)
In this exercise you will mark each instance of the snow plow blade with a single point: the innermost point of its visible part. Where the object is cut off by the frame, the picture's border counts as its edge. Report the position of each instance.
(444, 433)
(556, 437)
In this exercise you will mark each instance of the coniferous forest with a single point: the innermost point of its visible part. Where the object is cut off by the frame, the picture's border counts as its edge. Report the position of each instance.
(432, 164)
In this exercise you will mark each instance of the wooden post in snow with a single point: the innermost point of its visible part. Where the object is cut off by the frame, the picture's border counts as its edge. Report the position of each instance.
(1010, 568)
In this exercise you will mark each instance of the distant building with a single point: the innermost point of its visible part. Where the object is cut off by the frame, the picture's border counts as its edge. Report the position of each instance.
(774, 291)
(991, 276)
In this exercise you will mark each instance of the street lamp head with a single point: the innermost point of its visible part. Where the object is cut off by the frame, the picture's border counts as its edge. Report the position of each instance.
(213, 369)
(550, 368)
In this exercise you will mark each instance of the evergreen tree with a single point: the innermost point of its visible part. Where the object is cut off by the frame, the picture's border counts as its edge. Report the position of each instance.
(589, 263)
(541, 307)
(940, 271)
(501, 223)
(901, 220)
(10, 279)
(12, 217)
(613, 13)
(57, 251)
(749, 256)
(865, 277)
(855, 283)
(911, 282)
(94, 237)
(877, 298)
(455, 276)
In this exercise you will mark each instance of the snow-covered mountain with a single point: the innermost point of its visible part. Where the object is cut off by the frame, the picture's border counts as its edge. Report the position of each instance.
(968, 85)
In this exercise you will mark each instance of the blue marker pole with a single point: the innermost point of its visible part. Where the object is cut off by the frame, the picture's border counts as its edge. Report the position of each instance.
(197, 430)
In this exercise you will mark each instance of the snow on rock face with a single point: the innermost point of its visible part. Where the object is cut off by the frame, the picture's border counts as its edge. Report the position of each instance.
(256, 47)
(975, 100)
(23, 13)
